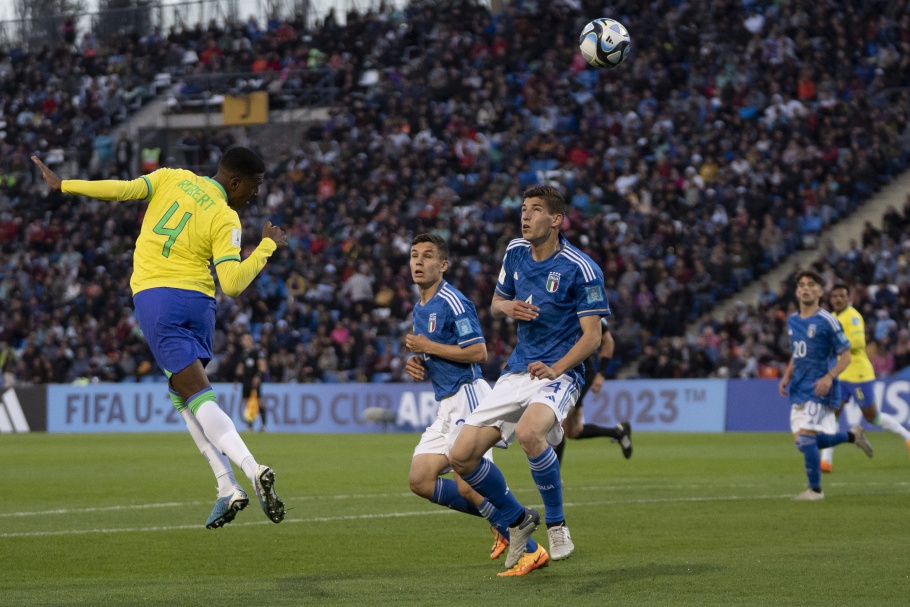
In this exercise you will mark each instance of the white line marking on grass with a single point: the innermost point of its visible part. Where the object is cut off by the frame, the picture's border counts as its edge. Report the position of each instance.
(98, 509)
(196, 527)
(408, 494)
(441, 511)
(191, 503)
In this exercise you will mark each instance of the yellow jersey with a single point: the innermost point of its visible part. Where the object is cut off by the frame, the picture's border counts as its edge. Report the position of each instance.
(860, 368)
(188, 223)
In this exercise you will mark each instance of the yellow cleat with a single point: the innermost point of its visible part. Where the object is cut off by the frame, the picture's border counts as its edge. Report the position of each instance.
(500, 543)
(827, 467)
(528, 563)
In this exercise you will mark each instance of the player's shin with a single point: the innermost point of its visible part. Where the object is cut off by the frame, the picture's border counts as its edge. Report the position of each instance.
(887, 422)
(221, 431)
(825, 441)
(221, 466)
(546, 474)
(808, 445)
(446, 494)
(489, 482)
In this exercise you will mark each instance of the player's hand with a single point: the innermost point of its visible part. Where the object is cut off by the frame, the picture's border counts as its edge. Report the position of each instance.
(539, 370)
(519, 310)
(418, 344)
(49, 176)
(275, 233)
(415, 368)
(597, 383)
(782, 386)
(823, 386)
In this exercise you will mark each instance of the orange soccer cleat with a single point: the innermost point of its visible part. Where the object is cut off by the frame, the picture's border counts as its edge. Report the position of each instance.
(500, 543)
(827, 467)
(528, 563)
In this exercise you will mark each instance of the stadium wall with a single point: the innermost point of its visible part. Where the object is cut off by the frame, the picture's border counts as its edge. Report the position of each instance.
(691, 405)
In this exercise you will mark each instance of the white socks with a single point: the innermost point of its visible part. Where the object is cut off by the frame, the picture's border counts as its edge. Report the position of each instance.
(889, 423)
(219, 428)
(220, 464)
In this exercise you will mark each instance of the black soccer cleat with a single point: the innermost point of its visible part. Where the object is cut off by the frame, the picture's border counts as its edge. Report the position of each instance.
(625, 438)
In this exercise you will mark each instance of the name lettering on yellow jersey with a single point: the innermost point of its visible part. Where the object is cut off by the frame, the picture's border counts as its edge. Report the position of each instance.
(196, 193)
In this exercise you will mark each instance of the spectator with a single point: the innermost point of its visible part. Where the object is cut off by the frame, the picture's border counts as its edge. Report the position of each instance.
(445, 164)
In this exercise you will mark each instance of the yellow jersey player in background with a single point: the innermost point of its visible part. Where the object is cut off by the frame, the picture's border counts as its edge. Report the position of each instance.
(858, 378)
(190, 223)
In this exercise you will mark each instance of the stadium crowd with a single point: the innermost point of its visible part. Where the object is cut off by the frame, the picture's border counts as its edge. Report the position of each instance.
(751, 339)
(734, 134)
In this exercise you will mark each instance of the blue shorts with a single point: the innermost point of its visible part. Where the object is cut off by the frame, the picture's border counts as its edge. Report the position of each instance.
(862, 393)
(178, 324)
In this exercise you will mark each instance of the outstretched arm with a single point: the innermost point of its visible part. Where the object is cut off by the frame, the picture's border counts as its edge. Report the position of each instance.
(137, 189)
(49, 176)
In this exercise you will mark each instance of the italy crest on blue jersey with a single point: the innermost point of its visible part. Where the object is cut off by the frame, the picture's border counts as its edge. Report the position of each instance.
(815, 344)
(448, 318)
(565, 286)
(553, 282)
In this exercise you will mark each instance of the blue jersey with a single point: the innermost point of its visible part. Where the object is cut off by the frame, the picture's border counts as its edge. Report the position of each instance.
(565, 286)
(815, 344)
(448, 318)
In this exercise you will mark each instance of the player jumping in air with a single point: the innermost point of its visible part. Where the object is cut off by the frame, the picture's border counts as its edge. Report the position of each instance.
(190, 220)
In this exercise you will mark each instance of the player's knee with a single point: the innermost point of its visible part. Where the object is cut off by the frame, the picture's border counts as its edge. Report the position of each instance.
(421, 485)
(462, 459)
(573, 430)
(870, 413)
(523, 434)
(530, 440)
(460, 462)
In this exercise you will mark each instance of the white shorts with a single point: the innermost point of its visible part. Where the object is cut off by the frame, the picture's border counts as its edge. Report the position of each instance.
(812, 416)
(453, 410)
(514, 392)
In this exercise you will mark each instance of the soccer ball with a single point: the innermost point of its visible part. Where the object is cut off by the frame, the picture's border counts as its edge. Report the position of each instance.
(604, 43)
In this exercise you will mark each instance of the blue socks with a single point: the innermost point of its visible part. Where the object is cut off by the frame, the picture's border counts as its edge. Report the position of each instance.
(501, 525)
(494, 516)
(809, 446)
(488, 481)
(545, 471)
(829, 440)
(446, 494)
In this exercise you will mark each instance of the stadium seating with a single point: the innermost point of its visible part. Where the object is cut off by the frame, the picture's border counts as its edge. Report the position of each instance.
(677, 156)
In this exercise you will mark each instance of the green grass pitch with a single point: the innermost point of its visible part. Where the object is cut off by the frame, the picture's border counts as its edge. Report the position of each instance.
(111, 520)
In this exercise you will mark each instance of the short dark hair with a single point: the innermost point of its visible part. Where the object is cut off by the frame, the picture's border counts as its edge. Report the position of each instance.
(242, 162)
(438, 241)
(552, 198)
(841, 285)
(811, 275)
